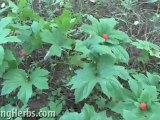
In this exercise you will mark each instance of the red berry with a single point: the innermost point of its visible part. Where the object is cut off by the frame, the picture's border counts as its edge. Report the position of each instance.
(143, 106)
(105, 36)
(23, 54)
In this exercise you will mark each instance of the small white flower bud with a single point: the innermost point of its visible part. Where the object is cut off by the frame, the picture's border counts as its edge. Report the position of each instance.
(136, 22)
(3, 5)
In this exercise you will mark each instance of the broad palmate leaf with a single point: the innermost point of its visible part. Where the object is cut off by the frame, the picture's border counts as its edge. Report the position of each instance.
(18, 78)
(87, 113)
(105, 74)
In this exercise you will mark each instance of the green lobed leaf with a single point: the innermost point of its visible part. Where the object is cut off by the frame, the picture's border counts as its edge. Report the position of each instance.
(39, 78)
(67, 20)
(120, 106)
(55, 50)
(148, 95)
(25, 92)
(152, 49)
(47, 36)
(117, 37)
(10, 39)
(87, 113)
(4, 32)
(56, 106)
(3, 68)
(83, 82)
(93, 46)
(21, 4)
(107, 84)
(81, 47)
(120, 53)
(27, 13)
(128, 115)
(1, 55)
(18, 78)
(105, 26)
(103, 72)
(149, 80)
(5, 38)
(9, 56)
(72, 116)
(13, 79)
(5, 21)
(57, 39)
(107, 68)
(35, 27)
(108, 24)
(135, 87)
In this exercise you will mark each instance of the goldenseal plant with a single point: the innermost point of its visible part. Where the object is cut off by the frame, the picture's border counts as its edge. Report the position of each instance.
(103, 57)
(104, 52)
